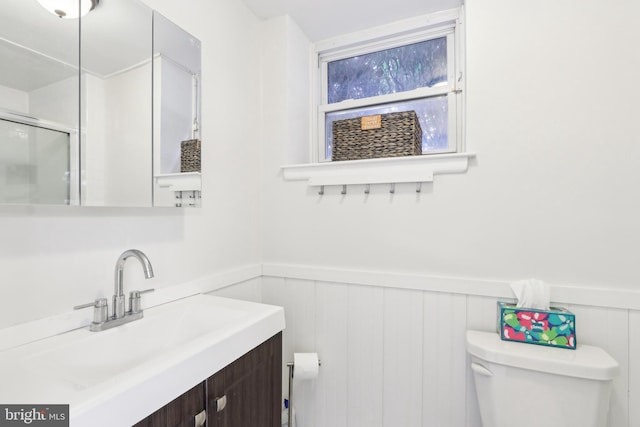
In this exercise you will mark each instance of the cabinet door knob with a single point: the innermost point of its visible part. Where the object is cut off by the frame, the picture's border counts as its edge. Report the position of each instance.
(220, 403)
(200, 419)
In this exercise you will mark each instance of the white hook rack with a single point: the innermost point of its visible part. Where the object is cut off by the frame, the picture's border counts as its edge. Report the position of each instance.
(367, 187)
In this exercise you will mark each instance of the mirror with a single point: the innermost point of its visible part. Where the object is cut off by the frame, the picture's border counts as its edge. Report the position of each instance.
(116, 90)
(176, 115)
(39, 92)
(91, 114)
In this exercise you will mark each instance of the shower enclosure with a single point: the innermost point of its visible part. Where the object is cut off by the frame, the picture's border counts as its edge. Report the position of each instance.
(36, 161)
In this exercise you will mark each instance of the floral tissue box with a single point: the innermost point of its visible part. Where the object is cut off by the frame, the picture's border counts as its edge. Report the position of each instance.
(555, 327)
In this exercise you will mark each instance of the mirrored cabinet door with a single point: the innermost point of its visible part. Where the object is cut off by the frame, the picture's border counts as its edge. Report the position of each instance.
(176, 115)
(116, 104)
(39, 92)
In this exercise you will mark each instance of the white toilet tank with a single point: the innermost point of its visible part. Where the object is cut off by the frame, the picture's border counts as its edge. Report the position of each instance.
(528, 385)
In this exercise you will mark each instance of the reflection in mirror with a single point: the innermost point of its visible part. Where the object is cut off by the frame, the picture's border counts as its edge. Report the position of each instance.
(36, 163)
(176, 134)
(116, 80)
(38, 105)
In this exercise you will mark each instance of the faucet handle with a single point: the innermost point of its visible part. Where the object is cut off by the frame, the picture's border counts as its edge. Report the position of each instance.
(87, 305)
(99, 309)
(136, 294)
(134, 300)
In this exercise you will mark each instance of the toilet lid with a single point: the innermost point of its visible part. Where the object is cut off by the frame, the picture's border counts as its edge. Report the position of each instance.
(584, 362)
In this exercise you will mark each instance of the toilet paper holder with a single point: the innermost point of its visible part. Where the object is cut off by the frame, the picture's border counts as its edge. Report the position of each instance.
(291, 367)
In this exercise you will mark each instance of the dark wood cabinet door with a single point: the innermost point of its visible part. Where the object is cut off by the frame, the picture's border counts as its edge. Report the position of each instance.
(250, 389)
(180, 412)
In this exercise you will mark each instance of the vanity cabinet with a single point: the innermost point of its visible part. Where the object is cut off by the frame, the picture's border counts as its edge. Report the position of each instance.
(246, 393)
(180, 412)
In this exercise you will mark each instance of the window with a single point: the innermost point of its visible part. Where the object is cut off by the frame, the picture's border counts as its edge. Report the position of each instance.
(414, 65)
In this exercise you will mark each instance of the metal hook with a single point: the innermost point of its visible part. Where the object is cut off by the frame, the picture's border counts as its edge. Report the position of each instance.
(392, 188)
(321, 191)
(418, 187)
(344, 189)
(367, 189)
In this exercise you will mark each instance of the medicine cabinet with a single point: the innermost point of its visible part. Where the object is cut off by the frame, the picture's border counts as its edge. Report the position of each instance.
(93, 110)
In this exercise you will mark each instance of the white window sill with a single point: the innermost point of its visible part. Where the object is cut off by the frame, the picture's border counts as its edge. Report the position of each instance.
(379, 171)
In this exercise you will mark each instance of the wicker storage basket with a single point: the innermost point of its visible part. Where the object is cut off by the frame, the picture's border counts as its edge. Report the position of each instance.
(190, 156)
(398, 134)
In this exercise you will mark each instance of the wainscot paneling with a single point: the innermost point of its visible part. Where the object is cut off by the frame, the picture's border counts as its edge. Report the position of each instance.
(393, 356)
(331, 334)
(249, 290)
(609, 328)
(403, 335)
(365, 349)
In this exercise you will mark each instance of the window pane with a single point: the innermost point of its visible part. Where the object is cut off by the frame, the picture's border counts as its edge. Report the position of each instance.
(432, 114)
(399, 69)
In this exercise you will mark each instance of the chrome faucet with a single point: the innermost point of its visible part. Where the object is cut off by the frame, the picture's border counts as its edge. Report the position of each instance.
(118, 289)
(101, 319)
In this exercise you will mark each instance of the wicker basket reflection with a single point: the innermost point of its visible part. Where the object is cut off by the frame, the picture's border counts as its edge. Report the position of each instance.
(190, 156)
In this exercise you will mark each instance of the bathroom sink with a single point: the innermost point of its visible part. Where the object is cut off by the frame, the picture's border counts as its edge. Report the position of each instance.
(86, 358)
(118, 376)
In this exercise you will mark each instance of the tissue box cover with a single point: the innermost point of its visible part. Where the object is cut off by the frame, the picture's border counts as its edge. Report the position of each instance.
(555, 327)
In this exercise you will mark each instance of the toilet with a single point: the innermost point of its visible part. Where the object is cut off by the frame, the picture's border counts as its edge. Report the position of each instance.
(528, 385)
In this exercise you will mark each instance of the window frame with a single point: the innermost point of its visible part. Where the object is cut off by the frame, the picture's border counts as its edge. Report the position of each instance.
(440, 24)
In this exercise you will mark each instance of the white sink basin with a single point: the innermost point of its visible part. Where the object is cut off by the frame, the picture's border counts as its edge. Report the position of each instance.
(118, 376)
(88, 358)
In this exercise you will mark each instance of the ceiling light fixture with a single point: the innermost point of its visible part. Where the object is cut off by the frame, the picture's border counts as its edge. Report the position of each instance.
(69, 9)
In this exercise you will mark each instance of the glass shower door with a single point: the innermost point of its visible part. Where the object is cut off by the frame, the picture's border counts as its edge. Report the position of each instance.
(34, 164)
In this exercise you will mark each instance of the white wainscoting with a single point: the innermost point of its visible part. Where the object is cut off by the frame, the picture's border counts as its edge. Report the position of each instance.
(396, 357)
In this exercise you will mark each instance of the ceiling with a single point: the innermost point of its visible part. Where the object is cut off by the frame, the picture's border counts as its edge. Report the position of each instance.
(322, 19)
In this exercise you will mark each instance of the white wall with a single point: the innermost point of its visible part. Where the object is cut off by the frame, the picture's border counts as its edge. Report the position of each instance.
(94, 140)
(552, 191)
(13, 99)
(176, 113)
(57, 102)
(128, 135)
(53, 258)
(550, 195)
